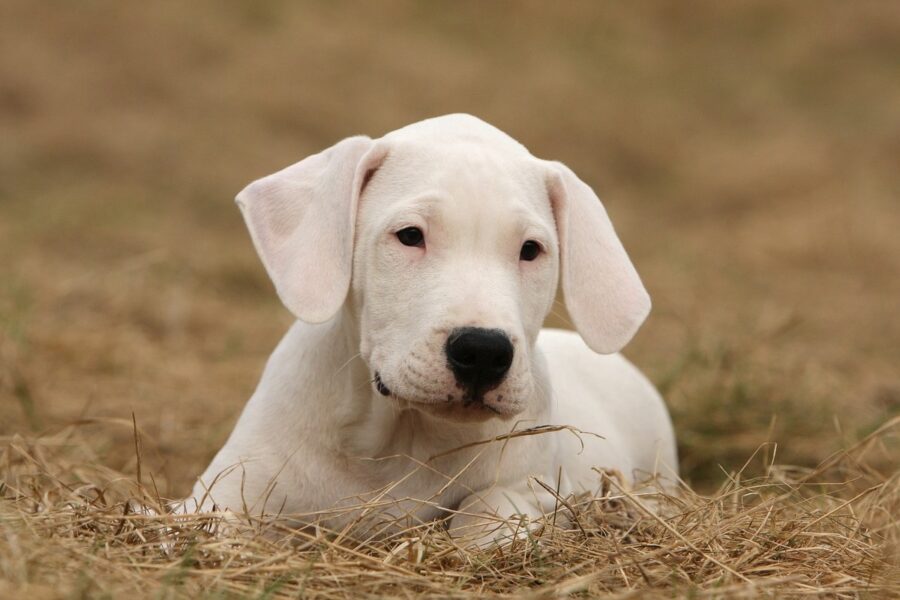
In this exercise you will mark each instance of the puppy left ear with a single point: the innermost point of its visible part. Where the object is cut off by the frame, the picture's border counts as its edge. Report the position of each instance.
(603, 292)
(302, 221)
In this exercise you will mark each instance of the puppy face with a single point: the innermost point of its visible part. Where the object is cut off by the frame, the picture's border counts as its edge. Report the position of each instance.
(455, 267)
(449, 237)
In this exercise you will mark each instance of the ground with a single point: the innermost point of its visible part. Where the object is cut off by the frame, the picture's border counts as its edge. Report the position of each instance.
(747, 153)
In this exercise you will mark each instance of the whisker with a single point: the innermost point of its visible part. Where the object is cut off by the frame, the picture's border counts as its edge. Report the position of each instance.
(349, 360)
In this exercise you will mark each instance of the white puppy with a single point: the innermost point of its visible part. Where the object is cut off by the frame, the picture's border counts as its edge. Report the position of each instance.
(421, 266)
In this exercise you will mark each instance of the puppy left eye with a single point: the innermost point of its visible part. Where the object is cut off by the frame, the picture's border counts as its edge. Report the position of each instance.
(530, 250)
(411, 236)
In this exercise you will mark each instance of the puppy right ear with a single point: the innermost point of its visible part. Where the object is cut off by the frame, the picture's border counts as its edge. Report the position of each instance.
(603, 292)
(302, 221)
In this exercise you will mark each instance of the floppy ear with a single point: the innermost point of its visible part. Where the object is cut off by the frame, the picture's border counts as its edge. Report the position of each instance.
(603, 293)
(302, 221)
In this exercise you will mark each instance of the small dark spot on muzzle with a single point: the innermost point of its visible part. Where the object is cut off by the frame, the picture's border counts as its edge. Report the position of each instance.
(379, 385)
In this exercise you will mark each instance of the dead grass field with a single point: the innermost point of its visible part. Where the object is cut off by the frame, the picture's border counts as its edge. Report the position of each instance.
(749, 154)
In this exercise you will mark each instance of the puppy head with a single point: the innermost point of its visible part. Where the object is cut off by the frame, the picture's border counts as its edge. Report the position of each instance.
(447, 237)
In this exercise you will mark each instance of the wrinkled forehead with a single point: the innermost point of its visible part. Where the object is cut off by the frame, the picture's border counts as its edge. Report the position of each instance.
(480, 177)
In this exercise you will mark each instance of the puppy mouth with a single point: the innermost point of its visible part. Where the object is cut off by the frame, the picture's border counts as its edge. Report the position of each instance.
(468, 404)
(379, 385)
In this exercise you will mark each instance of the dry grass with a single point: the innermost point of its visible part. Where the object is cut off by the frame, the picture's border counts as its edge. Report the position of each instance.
(832, 531)
(746, 151)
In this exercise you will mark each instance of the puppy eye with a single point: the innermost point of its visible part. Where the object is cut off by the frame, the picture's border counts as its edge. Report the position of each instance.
(530, 250)
(411, 236)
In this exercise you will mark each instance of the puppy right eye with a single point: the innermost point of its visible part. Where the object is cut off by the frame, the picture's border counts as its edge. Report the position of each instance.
(411, 236)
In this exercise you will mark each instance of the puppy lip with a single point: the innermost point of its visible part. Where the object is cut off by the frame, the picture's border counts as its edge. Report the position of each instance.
(491, 409)
(379, 385)
(466, 404)
(465, 412)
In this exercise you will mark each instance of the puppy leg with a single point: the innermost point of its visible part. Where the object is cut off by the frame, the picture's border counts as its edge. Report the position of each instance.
(495, 516)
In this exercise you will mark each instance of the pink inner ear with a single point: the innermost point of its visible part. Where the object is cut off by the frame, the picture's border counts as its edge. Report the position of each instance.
(367, 178)
(302, 222)
(604, 294)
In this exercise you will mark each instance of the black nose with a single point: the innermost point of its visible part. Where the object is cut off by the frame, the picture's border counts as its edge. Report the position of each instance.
(479, 358)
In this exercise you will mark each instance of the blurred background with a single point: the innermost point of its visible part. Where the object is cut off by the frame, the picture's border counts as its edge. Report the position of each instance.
(748, 153)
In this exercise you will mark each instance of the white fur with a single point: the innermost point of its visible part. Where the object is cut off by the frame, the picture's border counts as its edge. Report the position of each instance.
(317, 438)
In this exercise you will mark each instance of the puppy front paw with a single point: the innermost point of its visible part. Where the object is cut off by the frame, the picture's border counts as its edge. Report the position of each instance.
(497, 516)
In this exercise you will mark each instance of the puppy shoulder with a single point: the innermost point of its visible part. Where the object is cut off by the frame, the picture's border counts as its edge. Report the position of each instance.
(572, 363)
(563, 347)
